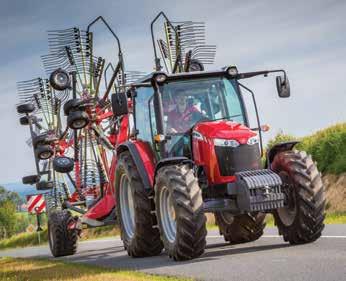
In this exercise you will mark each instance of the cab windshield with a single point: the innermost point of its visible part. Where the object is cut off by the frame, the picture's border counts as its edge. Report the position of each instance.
(187, 102)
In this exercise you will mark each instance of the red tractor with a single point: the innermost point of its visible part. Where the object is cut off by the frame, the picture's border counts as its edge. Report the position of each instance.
(210, 162)
(191, 150)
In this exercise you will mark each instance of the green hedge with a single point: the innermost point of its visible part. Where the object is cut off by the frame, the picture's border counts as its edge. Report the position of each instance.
(327, 147)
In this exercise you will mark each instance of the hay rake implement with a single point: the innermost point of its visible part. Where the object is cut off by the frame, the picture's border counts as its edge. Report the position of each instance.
(73, 133)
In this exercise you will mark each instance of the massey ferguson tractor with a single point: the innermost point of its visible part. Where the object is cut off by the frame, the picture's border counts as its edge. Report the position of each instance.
(157, 153)
(191, 151)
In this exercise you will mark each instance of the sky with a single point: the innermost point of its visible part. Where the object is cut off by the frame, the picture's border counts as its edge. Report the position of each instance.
(306, 38)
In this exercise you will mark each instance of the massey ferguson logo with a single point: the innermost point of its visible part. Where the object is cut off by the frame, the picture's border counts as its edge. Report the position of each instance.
(266, 190)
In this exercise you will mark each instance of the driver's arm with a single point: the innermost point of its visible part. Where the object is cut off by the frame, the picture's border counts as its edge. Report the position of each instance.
(171, 120)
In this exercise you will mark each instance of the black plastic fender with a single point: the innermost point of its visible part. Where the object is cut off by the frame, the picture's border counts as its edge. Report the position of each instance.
(279, 147)
(172, 161)
(129, 146)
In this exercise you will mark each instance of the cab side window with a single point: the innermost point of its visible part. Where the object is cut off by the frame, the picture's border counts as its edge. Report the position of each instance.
(142, 113)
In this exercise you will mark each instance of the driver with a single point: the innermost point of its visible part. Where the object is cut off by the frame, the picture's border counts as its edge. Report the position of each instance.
(181, 118)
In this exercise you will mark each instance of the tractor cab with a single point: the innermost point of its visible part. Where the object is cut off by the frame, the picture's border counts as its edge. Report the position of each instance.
(187, 103)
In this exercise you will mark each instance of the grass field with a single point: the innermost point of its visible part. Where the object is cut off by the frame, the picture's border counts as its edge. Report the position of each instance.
(42, 270)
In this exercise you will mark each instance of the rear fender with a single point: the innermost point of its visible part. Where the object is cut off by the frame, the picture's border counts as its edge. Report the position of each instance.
(279, 147)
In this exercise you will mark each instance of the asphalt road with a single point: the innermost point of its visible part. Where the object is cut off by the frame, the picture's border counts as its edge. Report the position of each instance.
(268, 258)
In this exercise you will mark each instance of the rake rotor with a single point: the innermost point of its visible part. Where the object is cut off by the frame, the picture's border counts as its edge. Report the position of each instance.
(182, 44)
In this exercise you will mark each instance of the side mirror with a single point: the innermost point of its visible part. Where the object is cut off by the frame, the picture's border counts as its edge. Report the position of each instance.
(283, 86)
(119, 104)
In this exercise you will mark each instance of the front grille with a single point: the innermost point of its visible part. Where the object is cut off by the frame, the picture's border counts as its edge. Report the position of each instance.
(232, 160)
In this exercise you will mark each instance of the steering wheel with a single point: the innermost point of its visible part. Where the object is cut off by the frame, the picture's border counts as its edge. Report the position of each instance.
(196, 116)
(178, 146)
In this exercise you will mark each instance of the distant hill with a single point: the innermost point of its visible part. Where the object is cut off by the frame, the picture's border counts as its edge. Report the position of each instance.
(21, 189)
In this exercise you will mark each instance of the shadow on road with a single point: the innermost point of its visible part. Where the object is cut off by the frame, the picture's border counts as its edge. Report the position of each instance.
(117, 257)
(232, 250)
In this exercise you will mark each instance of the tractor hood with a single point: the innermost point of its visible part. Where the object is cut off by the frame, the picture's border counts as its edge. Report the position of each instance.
(224, 129)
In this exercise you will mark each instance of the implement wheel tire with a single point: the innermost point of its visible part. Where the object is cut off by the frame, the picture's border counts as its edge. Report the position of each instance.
(25, 108)
(45, 185)
(63, 164)
(301, 221)
(134, 210)
(242, 228)
(62, 241)
(44, 152)
(73, 104)
(179, 211)
(31, 179)
(41, 139)
(24, 120)
(77, 120)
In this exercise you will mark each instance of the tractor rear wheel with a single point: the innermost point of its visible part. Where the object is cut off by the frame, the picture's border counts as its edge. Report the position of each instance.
(62, 240)
(301, 220)
(134, 208)
(242, 228)
(179, 211)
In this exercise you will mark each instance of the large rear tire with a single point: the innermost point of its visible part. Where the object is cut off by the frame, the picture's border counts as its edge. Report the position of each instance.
(301, 221)
(242, 228)
(134, 208)
(62, 240)
(179, 211)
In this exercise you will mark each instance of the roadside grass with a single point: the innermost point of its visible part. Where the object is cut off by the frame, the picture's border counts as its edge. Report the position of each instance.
(331, 218)
(15, 269)
(31, 239)
(23, 240)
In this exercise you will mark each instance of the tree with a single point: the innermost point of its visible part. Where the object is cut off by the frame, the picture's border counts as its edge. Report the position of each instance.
(280, 137)
(9, 195)
(7, 218)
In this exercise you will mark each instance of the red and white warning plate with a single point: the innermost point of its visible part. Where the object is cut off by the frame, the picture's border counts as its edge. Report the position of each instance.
(36, 203)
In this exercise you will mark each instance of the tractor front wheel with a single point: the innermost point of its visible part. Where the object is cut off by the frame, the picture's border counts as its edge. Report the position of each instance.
(242, 228)
(62, 240)
(134, 206)
(179, 211)
(301, 220)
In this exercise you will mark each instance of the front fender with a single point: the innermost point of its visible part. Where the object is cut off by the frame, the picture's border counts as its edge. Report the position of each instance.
(171, 161)
(143, 160)
(279, 147)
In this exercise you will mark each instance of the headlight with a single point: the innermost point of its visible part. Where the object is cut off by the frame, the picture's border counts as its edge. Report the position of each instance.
(198, 136)
(223, 142)
(253, 140)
